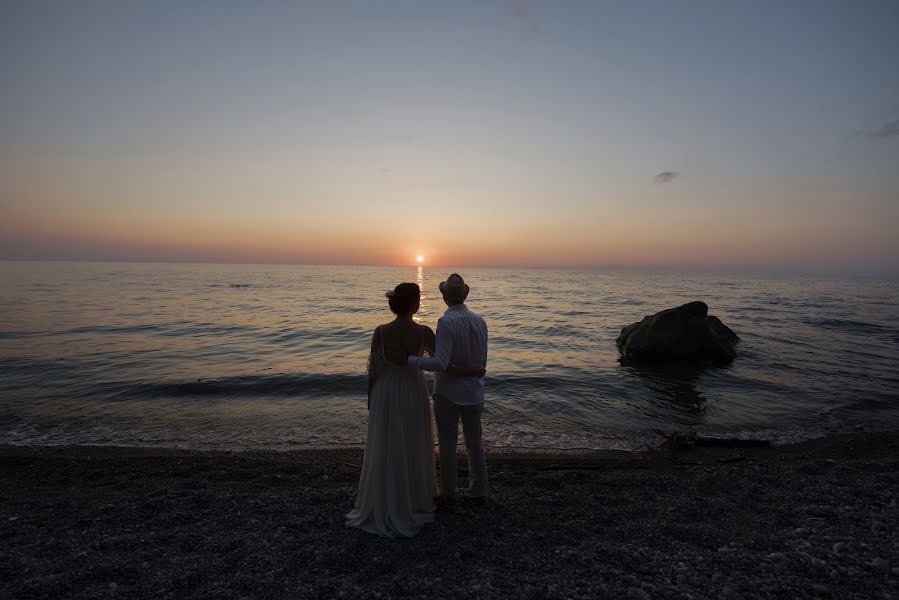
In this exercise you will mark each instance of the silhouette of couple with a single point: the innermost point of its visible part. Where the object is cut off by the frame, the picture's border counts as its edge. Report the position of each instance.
(398, 484)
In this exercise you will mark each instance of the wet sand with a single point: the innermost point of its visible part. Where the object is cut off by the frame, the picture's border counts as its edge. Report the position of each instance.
(817, 519)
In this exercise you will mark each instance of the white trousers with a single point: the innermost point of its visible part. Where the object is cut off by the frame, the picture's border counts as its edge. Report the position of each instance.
(447, 415)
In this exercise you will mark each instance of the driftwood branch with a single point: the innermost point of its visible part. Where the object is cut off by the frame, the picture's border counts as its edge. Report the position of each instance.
(731, 443)
(573, 468)
(730, 459)
(675, 441)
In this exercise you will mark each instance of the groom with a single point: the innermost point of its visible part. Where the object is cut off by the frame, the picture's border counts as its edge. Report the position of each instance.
(461, 341)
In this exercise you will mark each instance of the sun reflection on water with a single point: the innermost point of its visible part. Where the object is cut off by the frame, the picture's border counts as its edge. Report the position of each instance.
(420, 280)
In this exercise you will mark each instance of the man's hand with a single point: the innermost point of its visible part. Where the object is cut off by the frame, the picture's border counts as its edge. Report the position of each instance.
(465, 371)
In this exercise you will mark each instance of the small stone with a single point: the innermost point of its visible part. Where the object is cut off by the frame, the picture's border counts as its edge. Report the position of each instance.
(895, 571)
(113, 586)
(821, 589)
(838, 547)
(879, 563)
(635, 592)
(814, 560)
(13, 518)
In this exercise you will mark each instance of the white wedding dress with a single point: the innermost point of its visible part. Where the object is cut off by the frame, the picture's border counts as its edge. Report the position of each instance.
(398, 481)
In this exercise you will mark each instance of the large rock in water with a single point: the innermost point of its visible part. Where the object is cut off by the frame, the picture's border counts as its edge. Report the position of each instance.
(683, 333)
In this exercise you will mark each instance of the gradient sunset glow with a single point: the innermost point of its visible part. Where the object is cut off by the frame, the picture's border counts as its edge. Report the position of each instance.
(500, 133)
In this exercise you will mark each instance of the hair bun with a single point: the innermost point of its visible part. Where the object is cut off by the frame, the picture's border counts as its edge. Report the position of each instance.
(403, 298)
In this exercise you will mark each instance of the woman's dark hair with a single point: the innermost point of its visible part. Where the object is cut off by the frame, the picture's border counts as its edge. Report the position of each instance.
(404, 296)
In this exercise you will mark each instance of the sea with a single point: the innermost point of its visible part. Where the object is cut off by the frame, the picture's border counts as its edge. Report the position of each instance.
(273, 357)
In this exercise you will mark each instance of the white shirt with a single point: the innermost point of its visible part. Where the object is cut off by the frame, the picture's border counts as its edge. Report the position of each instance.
(462, 341)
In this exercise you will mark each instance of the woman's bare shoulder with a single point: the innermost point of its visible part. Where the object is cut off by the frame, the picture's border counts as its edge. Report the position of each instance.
(389, 331)
(385, 330)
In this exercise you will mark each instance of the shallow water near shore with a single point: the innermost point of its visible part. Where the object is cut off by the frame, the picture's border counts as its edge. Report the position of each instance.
(273, 356)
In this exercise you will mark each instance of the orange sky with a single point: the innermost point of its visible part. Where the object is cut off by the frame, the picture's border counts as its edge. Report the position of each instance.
(635, 238)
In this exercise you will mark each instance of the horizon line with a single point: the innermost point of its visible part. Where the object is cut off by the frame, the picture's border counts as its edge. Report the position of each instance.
(892, 272)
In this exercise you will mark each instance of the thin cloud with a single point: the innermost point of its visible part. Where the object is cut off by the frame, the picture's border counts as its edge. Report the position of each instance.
(886, 130)
(523, 15)
(666, 177)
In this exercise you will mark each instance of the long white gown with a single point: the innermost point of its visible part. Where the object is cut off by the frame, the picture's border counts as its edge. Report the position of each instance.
(398, 481)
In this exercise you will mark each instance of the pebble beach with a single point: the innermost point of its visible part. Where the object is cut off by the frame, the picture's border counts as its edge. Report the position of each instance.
(811, 520)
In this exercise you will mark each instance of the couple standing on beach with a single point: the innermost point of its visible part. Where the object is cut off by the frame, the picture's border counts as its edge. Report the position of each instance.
(398, 484)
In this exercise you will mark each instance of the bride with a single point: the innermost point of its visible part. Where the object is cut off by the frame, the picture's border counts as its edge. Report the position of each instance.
(398, 481)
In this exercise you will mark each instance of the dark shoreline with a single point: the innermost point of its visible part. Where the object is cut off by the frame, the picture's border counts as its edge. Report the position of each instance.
(815, 519)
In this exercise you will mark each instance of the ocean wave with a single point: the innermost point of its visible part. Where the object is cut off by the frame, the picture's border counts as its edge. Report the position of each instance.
(188, 329)
(320, 385)
(858, 327)
(287, 438)
(172, 329)
(246, 386)
(15, 335)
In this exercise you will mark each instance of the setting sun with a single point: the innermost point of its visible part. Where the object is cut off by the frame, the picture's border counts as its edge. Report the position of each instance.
(419, 259)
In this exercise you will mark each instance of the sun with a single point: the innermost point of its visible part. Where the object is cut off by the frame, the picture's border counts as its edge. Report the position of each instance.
(419, 259)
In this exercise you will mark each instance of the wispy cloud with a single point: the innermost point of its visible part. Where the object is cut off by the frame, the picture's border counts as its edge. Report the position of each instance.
(666, 177)
(523, 15)
(886, 130)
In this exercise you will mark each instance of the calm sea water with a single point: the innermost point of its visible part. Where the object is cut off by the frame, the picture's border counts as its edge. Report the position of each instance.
(247, 356)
